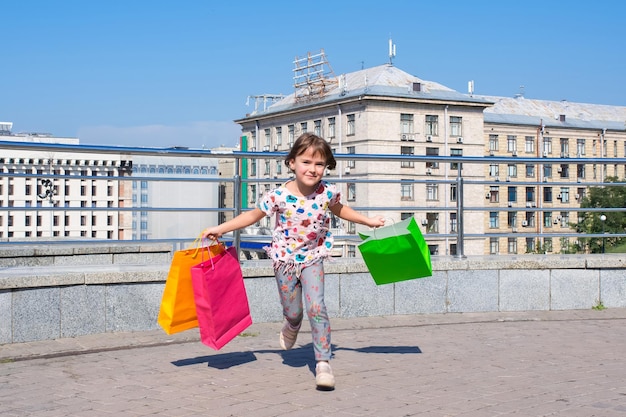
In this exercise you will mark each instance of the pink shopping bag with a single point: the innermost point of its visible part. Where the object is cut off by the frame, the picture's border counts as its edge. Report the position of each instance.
(221, 301)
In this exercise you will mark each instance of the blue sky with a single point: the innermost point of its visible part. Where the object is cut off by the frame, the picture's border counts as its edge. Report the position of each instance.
(177, 73)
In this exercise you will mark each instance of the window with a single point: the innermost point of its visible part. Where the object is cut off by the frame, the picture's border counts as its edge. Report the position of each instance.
(547, 219)
(432, 128)
(512, 170)
(494, 222)
(253, 140)
(494, 170)
(407, 150)
(352, 150)
(331, 127)
(580, 147)
(455, 152)
(351, 191)
(432, 152)
(547, 244)
(432, 222)
(279, 136)
(547, 171)
(494, 246)
(493, 142)
(564, 219)
(456, 126)
(291, 134)
(406, 190)
(511, 143)
(253, 167)
(406, 123)
(494, 194)
(303, 127)
(432, 192)
(530, 245)
(453, 192)
(564, 195)
(266, 170)
(351, 125)
(268, 139)
(547, 194)
(512, 245)
(279, 167)
(406, 215)
(529, 144)
(27, 221)
(547, 146)
(564, 170)
(530, 194)
(512, 194)
(511, 219)
(453, 223)
(564, 143)
(530, 170)
(317, 128)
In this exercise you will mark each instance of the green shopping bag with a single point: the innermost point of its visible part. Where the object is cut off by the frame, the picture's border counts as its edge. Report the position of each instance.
(397, 252)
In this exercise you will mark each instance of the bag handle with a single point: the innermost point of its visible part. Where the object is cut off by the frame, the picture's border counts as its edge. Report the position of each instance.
(213, 243)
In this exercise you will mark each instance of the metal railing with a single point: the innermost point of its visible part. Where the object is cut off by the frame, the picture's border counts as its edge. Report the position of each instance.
(238, 183)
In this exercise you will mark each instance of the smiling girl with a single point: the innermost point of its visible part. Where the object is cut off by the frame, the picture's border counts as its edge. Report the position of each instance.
(300, 242)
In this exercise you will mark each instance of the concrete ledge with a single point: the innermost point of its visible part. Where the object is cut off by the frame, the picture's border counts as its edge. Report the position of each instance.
(123, 292)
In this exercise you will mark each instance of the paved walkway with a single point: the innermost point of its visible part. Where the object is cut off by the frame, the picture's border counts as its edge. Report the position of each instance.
(570, 363)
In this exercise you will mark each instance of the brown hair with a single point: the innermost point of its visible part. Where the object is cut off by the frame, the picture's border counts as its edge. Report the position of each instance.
(316, 144)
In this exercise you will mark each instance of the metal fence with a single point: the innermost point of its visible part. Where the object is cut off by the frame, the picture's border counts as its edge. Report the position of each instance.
(461, 208)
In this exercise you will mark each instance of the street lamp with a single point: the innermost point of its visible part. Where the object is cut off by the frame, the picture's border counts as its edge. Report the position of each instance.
(602, 219)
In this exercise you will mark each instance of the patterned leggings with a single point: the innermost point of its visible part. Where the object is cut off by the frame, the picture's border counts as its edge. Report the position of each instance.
(292, 283)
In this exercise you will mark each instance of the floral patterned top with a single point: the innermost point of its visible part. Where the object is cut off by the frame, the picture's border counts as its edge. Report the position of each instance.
(302, 233)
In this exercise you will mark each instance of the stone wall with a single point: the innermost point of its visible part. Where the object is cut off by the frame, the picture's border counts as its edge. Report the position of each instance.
(58, 291)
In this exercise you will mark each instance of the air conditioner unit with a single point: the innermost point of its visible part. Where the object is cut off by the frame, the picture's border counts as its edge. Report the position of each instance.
(497, 178)
(429, 171)
(459, 139)
(529, 205)
(514, 229)
(327, 171)
(253, 149)
(488, 196)
(545, 154)
(559, 169)
(524, 223)
(510, 204)
(347, 170)
(429, 138)
(508, 179)
(556, 221)
(405, 137)
(424, 222)
(266, 148)
(577, 196)
(275, 148)
(514, 153)
(491, 153)
(560, 196)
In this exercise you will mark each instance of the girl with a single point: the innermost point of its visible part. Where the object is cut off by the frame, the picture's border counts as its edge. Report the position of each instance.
(301, 241)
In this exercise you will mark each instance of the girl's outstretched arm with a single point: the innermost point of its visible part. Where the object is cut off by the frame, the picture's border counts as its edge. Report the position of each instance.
(352, 215)
(245, 219)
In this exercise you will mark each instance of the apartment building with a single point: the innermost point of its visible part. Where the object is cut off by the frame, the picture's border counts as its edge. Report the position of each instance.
(518, 127)
(384, 110)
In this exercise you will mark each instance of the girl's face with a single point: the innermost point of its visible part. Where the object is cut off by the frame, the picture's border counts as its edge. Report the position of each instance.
(309, 169)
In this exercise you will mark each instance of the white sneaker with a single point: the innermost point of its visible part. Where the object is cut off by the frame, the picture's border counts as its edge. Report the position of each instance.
(324, 378)
(288, 335)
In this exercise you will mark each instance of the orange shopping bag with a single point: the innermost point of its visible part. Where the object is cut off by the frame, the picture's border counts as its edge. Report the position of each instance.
(178, 308)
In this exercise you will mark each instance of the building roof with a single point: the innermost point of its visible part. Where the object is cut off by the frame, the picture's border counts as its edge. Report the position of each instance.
(389, 81)
(520, 110)
(383, 80)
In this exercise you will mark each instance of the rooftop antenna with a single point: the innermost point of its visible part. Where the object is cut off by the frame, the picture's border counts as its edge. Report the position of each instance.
(470, 87)
(392, 51)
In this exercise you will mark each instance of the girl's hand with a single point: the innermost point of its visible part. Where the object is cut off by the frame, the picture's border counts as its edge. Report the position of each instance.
(212, 233)
(376, 221)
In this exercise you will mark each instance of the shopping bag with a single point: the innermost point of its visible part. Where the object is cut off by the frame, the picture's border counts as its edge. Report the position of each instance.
(221, 301)
(178, 309)
(396, 252)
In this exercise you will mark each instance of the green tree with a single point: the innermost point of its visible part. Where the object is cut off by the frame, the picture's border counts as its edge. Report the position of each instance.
(607, 196)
